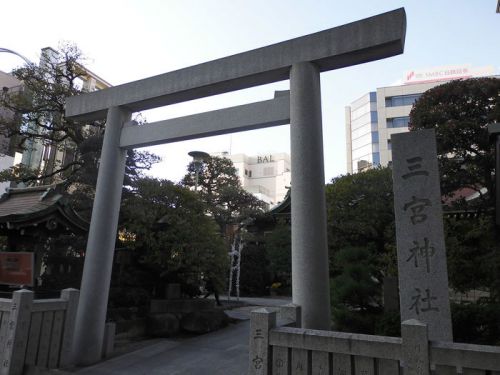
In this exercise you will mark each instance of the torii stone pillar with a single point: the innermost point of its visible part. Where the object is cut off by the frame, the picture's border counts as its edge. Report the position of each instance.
(93, 303)
(301, 60)
(310, 279)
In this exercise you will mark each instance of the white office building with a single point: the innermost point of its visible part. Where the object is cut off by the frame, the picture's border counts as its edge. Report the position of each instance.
(265, 176)
(374, 117)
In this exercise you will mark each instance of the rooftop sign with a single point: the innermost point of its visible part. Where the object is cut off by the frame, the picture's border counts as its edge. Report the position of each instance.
(447, 73)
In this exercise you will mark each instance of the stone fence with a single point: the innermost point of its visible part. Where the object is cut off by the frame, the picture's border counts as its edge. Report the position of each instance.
(36, 333)
(287, 350)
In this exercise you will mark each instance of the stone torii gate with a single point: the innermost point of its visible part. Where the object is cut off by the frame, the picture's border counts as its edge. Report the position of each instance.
(300, 60)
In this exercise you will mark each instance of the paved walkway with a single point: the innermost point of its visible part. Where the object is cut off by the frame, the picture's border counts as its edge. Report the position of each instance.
(221, 352)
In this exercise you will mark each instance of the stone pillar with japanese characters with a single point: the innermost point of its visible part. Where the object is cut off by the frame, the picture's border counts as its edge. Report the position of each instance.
(423, 275)
(261, 322)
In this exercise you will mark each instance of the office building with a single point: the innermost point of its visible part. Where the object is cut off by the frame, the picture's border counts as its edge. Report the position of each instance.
(265, 176)
(7, 146)
(47, 156)
(375, 116)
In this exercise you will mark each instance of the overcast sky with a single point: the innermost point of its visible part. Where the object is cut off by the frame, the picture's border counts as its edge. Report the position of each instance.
(126, 40)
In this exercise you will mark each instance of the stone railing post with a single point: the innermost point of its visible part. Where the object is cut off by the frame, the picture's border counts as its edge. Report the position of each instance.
(290, 313)
(415, 347)
(71, 297)
(17, 333)
(261, 321)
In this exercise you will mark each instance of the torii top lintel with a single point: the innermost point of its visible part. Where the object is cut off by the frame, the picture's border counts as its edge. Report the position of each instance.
(366, 40)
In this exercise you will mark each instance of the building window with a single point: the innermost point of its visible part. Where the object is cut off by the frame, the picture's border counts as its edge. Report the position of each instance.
(398, 122)
(249, 173)
(401, 100)
(47, 151)
(389, 144)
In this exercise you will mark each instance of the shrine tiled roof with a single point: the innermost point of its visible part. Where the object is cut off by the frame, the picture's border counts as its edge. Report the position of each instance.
(284, 207)
(23, 201)
(21, 207)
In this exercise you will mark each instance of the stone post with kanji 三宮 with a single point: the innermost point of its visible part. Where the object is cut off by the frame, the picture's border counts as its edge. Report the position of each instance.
(423, 275)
